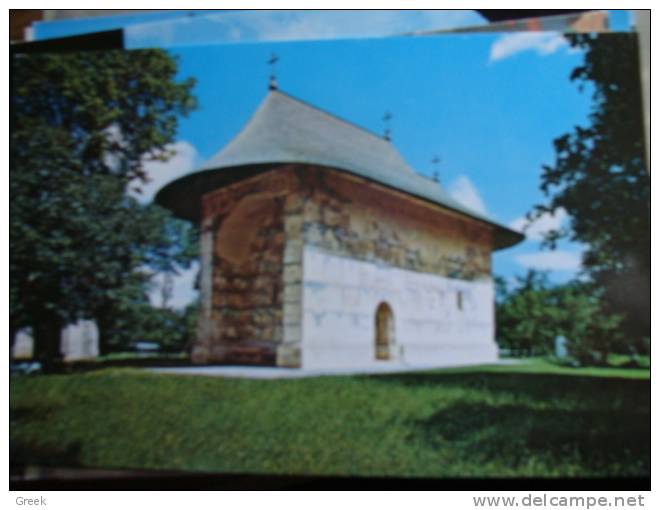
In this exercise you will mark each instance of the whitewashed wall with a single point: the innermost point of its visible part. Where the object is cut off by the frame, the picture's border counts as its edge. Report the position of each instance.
(78, 341)
(340, 297)
(23, 344)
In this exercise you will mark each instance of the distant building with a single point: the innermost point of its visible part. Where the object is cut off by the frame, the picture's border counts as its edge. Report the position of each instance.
(322, 248)
(79, 341)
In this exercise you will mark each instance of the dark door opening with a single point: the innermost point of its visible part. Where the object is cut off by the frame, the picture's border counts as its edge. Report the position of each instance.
(384, 332)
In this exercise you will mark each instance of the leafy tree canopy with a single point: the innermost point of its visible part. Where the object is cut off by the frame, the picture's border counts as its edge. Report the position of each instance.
(83, 126)
(533, 313)
(600, 178)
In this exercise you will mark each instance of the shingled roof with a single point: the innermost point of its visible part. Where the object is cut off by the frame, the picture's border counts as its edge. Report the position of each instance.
(287, 130)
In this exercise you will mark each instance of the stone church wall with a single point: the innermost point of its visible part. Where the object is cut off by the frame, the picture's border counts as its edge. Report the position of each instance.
(364, 246)
(244, 266)
(438, 321)
(257, 237)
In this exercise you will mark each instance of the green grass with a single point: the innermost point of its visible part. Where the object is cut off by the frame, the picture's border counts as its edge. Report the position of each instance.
(534, 419)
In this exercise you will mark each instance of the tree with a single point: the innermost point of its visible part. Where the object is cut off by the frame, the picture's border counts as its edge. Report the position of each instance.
(83, 125)
(172, 330)
(527, 316)
(592, 332)
(160, 245)
(532, 314)
(600, 179)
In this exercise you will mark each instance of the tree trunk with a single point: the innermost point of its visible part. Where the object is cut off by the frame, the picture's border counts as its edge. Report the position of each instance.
(605, 355)
(47, 334)
(104, 325)
(12, 339)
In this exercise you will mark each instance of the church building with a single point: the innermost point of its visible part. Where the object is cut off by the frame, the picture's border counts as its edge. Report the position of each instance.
(322, 249)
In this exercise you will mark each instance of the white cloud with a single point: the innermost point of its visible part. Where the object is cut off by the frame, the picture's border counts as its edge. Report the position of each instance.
(293, 25)
(287, 26)
(462, 190)
(550, 261)
(183, 291)
(536, 229)
(161, 172)
(338, 24)
(543, 43)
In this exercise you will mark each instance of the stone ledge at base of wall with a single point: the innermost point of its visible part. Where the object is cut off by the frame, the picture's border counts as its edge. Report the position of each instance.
(252, 372)
(289, 355)
(318, 357)
(243, 353)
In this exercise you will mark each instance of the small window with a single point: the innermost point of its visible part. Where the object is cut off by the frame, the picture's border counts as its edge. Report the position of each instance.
(459, 300)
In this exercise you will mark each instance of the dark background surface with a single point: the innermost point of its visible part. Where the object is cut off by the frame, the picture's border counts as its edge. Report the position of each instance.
(73, 479)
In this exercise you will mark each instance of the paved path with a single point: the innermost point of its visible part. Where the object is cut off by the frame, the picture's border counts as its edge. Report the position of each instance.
(252, 372)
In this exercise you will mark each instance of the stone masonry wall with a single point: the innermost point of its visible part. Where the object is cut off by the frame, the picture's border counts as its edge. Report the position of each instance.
(253, 234)
(243, 268)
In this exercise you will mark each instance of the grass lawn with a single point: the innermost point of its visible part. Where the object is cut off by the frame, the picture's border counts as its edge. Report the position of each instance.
(534, 419)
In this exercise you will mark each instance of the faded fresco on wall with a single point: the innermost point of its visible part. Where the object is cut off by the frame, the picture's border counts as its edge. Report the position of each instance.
(260, 284)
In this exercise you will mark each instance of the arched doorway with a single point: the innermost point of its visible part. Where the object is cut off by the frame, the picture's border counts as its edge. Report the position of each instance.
(384, 332)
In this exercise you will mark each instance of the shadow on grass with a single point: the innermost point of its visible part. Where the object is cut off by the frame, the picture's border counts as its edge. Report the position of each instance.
(46, 453)
(630, 363)
(22, 414)
(533, 386)
(598, 425)
(60, 455)
(613, 442)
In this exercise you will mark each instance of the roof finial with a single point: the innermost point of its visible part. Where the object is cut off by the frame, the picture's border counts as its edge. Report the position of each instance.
(435, 162)
(272, 83)
(388, 132)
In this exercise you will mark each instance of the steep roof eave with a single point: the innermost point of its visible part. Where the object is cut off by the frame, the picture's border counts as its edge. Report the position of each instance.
(286, 130)
(195, 184)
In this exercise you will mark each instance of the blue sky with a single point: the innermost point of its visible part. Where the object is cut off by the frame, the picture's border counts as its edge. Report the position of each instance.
(488, 104)
(167, 28)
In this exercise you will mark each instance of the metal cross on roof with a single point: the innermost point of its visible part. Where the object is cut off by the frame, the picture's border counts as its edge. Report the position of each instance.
(272, 83)
(435, 162)
(388, 132)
